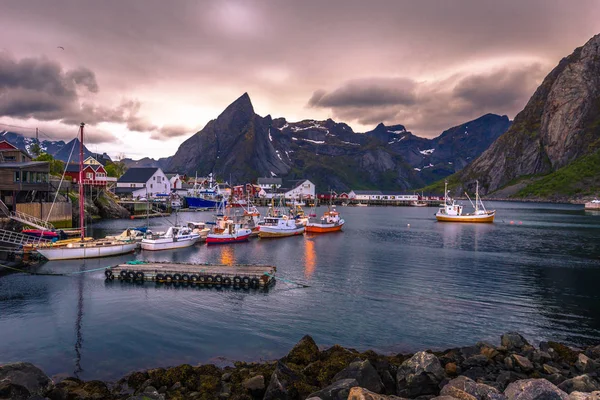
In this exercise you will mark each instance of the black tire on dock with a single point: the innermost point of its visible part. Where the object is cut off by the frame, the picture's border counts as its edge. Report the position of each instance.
(131, 275)
(108, 274)
(254, 282)
(139, 275)
(159, 278)
(237, 280)
(123, 274)
(168, 278)
(210, 278)
(227, 281)
(194, 278)
(202, 279)
(246, 280)
(185, 277)
(177, 277)
(218, 279)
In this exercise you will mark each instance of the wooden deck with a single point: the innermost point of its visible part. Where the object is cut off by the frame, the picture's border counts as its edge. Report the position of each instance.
(196, 274)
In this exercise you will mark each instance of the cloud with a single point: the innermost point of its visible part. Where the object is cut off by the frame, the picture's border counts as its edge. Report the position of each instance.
(427, 108)
(168, 132)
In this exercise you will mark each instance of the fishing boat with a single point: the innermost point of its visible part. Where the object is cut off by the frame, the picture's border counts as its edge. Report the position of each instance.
(85, 248)
(276, 225)
(176, 237)
(361, 205)
(452, 212)
(44, 234)
(135, 234)
(202, 196)
(418, 203)
(329, 222)
(227, 231)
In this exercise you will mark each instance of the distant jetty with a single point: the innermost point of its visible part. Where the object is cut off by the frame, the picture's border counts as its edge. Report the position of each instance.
(514, 370)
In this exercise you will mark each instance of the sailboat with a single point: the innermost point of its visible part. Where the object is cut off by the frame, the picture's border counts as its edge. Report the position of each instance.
(86, 248)
(454, 212)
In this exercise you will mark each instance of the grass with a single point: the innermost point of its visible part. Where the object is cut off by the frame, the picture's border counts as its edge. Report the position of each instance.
(578, 179)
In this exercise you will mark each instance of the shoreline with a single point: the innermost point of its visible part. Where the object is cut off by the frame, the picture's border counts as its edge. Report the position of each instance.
(514, 370)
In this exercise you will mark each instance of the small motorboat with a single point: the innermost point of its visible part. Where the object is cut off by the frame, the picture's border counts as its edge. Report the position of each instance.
(44, 234)
(199, 228)
(176, 237)
(227, 231)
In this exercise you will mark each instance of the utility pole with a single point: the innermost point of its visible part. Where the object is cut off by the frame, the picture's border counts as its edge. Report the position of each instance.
(37, 138)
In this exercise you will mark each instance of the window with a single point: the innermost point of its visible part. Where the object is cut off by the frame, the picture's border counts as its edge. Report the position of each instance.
(25, 176)
(17, 177)
(89, 175)
(150, 186)
(10, 158)
(153, 178)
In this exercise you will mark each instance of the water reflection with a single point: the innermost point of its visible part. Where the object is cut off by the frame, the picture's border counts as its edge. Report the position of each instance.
(310, 257)
(227, 254)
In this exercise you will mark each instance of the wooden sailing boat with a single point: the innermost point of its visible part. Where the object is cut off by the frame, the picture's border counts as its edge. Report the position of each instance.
(86, 248)
(454, 212)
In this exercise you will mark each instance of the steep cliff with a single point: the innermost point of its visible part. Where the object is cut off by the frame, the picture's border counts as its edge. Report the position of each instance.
(560, 123)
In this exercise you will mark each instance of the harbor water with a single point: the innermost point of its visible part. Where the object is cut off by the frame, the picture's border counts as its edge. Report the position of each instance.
(394, 280)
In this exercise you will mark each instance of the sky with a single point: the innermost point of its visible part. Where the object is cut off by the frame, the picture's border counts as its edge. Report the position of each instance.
(144, 75)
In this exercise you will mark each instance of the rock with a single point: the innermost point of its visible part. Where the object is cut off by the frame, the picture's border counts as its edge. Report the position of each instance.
(281, 380)
(593, 352)
(226, 377)
(585, 364)
(488, 350)
(444, 398)
(523, 363)
(147, 396)
(337, 391)
(464, 388)
(420, 375)
(504, 378)
(451, 369)
(541, 357)
(12, 391)
(254, 384)
(478, 360)
(26, 375)
(550, 370)
(584, 396)
(304, 352)
(359, 393)
(57, 394)
(582, 383)
(364, 373)
(513, 341)
(136, 379)
(563, 352)
(534, 389)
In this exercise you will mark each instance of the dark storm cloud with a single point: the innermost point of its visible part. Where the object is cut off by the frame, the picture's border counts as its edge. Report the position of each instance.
(430, 107)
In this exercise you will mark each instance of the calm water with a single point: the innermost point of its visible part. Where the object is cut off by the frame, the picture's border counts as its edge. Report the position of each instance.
(380, 284)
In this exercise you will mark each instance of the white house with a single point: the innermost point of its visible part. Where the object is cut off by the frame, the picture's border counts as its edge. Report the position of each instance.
(142, 182)
(379, 195)
(300, 189)
(175, 181)
(269, 183)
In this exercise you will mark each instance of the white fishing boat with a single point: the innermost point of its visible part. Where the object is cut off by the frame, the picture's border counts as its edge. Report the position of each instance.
(199, 228)
(227, 231)
(86, 248)
(452, 212)
(176, 237)
(276, 224)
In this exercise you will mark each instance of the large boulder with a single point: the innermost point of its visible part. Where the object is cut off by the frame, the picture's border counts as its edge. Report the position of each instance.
(364, 373)
(284, 384)
(359, 393)
(522, 363)
(513, 341)
(12, 391)
(585, 364)
(593, 352)
(467, 389)
(304, 352)
(582, 383)
(420, 375)
(584, 396)
(336, 391)
(534, 389)
(26, 375)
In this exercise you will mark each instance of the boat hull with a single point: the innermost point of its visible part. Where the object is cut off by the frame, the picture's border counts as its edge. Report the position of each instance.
(323, 228)
(73, 252)
(198, 202)
(168, 244)
(266, 232)
(224, 239)
(484, 218)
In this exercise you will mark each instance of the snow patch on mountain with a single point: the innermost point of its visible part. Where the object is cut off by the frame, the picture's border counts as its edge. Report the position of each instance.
(427, 152)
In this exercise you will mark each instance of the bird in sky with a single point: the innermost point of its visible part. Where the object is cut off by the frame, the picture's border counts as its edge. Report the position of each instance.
(60, 47)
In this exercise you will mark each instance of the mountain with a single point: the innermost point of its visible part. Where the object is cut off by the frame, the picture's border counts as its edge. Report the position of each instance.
(56, 148)
(71, 150)
(243, 145)
(559, 124)
(162, 163)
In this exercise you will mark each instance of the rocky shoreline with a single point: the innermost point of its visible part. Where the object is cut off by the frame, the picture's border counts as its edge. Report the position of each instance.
(515, 370)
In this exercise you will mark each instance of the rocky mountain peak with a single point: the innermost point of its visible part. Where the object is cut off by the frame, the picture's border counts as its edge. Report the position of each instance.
(237, 114)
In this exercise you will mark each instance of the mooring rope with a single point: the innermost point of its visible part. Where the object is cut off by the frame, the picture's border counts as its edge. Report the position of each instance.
(286, 280)
(51, 274)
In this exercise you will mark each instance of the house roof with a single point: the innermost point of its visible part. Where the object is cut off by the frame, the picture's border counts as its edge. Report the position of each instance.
(374, 192)
(72, 167)
(123, 190)
(393, 193)
(269, 181)
(138, 175)
(23, 164)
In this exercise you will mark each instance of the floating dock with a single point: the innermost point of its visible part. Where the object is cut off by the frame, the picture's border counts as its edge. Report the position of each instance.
(251, 275)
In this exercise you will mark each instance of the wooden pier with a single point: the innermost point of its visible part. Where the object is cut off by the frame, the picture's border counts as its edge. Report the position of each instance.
(250, 275)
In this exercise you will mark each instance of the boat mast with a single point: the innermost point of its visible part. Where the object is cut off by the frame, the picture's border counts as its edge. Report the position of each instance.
(81, 192)
(445, 193)
(476, 196)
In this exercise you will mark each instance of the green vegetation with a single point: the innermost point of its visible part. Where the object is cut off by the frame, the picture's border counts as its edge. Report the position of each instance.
(437, 188)
(580, 178)
(115, 169)
(57, 167)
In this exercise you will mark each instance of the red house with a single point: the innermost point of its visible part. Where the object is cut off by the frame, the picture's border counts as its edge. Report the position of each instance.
(93, 175)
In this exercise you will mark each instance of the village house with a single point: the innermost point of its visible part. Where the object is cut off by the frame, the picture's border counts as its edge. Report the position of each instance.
(94, 173)
(21, 179)
(366, 195)
(295, 189)
(143, 182)
(269, 183)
